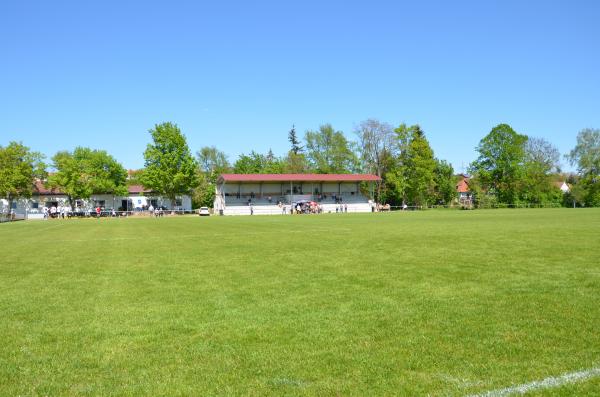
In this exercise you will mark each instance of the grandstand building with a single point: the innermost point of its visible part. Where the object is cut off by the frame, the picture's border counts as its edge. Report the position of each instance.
(244, 194)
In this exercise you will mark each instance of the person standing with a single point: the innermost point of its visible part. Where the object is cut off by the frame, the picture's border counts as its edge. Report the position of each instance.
(98, 210)
(251, 209)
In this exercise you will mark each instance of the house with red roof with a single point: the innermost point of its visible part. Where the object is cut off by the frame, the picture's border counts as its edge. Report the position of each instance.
(463, 190)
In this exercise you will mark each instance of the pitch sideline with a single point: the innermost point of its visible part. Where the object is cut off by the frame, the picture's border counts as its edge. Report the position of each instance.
(547, 383)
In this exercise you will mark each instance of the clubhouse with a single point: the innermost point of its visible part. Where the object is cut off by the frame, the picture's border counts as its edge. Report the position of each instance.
(244, 194)
(138, 198)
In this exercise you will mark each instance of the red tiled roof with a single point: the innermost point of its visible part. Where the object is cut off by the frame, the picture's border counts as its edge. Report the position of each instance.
(41, 189)
(463, 186)
(137, 189)
(298, 177)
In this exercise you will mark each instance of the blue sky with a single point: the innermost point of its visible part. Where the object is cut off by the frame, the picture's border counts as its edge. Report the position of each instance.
(237, 75)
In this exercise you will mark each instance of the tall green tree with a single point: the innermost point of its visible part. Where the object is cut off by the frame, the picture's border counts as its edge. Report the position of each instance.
(211, 163)
(376, 145)
(541, 163)
(85, 171)
(445, 182)
(500, 166)
(274, 164)
(134, 177)
(586, 156)
(253, 163)
(294, 141)
(296, 163)
(170, 168)
(329, 152)
(19, 169)
(411, 176)
(257, 163)
(396, 176)
(420, 169)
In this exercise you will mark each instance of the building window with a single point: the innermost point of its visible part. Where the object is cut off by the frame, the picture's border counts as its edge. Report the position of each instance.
(35, 205)
(178, 203)
(99, 203)
(13, 205)
(79, 203)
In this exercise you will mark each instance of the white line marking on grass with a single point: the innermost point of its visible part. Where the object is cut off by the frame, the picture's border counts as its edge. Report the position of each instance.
(547, 383)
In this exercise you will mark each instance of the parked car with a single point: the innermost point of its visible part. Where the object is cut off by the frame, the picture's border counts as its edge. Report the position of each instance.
(203, 211)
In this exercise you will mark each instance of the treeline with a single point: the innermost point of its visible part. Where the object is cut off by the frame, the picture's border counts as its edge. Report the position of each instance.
(511, 168)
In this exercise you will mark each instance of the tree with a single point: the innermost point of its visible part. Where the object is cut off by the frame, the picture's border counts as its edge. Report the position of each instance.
(296, 163)
(85, 172)
(170, 168)
(292, 137)
(19, 169)
(329, 152)
(273, 164)
(411, 174)
(445, 182)
(375, 145)
(420, 167)
(500, 165)
(396, 177)
(211, 163)
(256, 163)
(253, 163)
(134, 177)
(541, 162)
(586, 155)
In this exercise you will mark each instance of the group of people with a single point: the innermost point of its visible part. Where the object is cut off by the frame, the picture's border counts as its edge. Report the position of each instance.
(56, 212)
(308, 207)
(341, 208)
(63, 212)
(157, 212)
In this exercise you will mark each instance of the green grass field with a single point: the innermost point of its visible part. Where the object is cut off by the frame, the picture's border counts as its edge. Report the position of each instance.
(442, 303)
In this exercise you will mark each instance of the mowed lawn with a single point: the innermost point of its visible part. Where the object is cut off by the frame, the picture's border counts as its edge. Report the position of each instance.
(442, 303)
